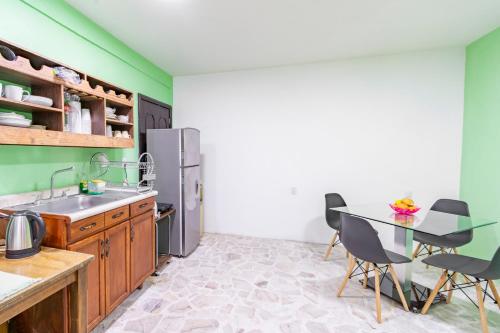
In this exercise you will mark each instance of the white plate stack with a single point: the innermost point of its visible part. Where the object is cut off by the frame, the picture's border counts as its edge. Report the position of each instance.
(110, 113)
(14, 119)
(39, 100)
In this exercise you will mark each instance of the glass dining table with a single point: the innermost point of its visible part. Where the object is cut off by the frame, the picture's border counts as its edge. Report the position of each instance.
(427, 221)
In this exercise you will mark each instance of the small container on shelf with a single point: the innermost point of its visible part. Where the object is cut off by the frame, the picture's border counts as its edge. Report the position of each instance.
(86, 121)
(109, 131)
(75, 114)
(67, 99)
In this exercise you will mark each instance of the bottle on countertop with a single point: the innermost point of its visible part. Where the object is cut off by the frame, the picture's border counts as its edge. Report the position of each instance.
(84, 184)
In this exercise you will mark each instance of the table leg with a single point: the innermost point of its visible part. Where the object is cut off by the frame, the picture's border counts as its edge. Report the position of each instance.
(414, 293)
(403, 244)
(78, 302)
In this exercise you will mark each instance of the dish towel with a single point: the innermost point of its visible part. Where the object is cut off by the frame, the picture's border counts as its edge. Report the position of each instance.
(12, 283)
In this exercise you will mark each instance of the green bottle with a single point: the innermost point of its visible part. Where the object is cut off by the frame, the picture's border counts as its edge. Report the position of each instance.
(84, 184)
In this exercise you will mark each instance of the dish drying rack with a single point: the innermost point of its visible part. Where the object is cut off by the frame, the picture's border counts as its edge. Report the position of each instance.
(145, 167)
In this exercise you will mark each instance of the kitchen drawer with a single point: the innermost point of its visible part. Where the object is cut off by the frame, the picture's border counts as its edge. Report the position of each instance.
(117, 215)
(139, 207)
(86, 227)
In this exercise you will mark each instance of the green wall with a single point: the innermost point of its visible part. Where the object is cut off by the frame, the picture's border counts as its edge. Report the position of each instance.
(480, 179)
(56, 30)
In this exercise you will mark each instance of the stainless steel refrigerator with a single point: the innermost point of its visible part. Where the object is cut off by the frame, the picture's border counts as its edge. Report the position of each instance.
(176, 154)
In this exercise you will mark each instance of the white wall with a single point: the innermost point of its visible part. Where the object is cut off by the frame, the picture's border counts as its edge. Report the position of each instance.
(372, 129)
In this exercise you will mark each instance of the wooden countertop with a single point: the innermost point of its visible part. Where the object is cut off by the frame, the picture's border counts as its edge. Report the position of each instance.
(50, 265)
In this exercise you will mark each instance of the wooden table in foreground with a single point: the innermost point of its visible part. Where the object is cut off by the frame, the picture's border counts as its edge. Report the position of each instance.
(56, 269)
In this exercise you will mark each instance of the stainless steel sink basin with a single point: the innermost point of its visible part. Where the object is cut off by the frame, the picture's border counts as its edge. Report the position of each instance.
(75, 203)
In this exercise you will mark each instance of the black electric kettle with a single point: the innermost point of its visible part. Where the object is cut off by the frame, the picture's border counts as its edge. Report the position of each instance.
(24, 234)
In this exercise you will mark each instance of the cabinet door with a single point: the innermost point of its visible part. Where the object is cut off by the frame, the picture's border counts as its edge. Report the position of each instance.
(142, 248)
(95, 293)
(117, 264)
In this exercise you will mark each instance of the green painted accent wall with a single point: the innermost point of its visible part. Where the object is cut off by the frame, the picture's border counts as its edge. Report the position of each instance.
(56, 30)
(480, 179)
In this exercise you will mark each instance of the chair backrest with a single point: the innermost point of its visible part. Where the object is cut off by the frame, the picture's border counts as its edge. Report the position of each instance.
(451, 206)
(361, 240)
(333, 200)
(493, 270)
(456, 207)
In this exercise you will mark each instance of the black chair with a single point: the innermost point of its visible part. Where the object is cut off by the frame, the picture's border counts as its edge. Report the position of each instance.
(333, 200)
(452, 241)
(475, 271)
(364, 246)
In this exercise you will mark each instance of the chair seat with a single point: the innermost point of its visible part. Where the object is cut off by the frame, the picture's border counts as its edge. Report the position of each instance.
(395, 258)
(448, 241)
(460, 264)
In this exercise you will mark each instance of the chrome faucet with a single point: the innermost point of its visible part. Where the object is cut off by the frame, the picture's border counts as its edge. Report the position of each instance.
(53, 177)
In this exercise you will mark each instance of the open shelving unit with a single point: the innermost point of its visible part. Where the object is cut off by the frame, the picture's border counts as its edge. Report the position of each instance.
(34, 71)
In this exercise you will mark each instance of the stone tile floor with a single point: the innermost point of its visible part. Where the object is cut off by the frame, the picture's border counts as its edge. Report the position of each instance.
(244, 284)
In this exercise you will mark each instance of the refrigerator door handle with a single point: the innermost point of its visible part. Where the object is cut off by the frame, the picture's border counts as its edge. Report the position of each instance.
(197, 189)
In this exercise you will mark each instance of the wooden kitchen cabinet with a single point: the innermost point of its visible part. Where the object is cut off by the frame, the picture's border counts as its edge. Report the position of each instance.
(117, 265)
(123, 242)
(139, 207)
(142, 248)
(96, 284)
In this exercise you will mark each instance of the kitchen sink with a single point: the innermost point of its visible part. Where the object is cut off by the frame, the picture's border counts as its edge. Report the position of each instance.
(73, 204)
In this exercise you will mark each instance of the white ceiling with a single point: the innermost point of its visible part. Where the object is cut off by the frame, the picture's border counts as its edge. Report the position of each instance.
(201, 36)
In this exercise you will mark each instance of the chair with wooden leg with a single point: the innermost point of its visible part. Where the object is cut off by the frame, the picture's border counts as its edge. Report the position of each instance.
(474, 271)
(427, 242)
(333, 200)
(362, 242)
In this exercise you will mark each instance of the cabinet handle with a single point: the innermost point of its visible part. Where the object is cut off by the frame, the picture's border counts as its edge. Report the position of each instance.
(117, 215)
(108, 243)
(132, 232)
(87, 227)
(102, 249)
(143, 205)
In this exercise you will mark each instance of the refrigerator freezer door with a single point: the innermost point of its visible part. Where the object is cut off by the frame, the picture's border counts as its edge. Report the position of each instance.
(191, 147)
(191, 211)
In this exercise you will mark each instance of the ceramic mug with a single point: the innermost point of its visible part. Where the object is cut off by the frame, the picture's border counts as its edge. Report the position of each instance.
(125, 134)
(15, 92)
(117, 134)
(109, 131)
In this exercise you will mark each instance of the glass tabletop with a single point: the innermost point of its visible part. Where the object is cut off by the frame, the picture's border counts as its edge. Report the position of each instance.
(430, 222)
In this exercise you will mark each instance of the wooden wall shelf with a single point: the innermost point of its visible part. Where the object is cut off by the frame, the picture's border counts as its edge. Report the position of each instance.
(36, 72)
(28, 136)
(26, 107)
(117, 122)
